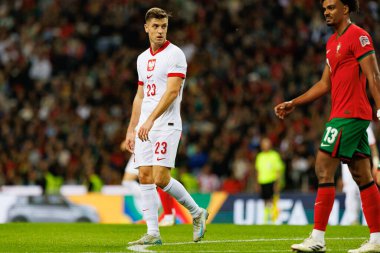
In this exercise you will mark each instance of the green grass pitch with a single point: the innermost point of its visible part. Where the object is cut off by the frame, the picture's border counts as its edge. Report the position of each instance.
(219, 238)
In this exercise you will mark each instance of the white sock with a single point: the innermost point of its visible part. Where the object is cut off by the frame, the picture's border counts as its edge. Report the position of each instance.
(179, 192)
(133, 187)
(318, 235)
(374, 237)
(149, 206)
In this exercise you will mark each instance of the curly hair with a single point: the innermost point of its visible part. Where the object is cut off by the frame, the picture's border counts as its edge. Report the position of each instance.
(353, 5)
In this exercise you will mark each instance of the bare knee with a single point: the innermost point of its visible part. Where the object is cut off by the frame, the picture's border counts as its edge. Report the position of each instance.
(161, 176)
(145, 177)
(361, 171)
(161, 180)
(325, 168)
(324, 175)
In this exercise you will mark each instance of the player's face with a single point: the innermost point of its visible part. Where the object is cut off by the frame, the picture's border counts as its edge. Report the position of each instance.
(334, 11)
(157, 30)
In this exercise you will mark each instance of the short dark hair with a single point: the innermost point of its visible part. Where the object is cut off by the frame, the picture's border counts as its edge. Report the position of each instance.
(353, 5)
(157, 13)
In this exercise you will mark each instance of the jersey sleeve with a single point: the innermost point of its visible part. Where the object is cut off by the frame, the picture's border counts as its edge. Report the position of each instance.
(178, 65)
(362, 44)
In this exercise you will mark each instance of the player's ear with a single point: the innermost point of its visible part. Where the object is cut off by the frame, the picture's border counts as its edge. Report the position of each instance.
(346, 10)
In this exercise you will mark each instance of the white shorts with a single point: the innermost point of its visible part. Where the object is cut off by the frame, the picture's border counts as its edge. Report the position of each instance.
(161, 149)
(131, 166)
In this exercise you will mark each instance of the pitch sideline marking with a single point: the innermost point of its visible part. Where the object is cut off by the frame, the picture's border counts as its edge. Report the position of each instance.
(143, 248)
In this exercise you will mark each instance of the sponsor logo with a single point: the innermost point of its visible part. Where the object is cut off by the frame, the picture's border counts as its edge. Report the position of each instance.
(317, 203)
(328, 51)
(148, 77)
(159, 159)
(325, 145)
(364, 40)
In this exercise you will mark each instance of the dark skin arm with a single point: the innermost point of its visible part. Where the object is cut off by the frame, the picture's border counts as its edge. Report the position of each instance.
(319, 89)
(371, 70)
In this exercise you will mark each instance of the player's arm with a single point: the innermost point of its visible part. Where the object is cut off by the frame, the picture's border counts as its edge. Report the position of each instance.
(172, 90)
(319, 89)
(371, 70)
(129, 142)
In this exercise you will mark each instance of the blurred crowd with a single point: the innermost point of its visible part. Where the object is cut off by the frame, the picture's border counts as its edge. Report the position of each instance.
(68, 78)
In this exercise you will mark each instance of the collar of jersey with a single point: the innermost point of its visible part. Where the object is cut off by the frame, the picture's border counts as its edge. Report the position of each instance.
(345, 29)
(165, 45)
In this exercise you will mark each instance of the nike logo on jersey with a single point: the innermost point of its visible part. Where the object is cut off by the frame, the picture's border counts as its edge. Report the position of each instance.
(325, 145)
(317, 203)
(159, 159)
(328, 51)
(148, 77)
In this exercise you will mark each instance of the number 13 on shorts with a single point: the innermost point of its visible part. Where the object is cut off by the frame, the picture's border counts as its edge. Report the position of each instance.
(329, 139)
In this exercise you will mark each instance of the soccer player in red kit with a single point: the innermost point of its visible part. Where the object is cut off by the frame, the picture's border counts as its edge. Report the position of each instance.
(350, 63)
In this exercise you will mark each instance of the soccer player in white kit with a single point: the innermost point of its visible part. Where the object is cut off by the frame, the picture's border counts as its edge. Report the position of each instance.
(155, 126)
(350, 188)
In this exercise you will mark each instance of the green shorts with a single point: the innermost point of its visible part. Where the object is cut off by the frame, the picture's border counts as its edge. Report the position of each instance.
(344, 138)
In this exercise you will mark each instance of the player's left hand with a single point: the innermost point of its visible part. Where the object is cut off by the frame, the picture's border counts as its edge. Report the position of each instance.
(143, 133)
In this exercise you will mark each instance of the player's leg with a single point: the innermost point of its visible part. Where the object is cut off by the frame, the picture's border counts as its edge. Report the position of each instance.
(165, 151)
(370, 196)
(167, 201)
(176, 189)
(325, 170)
(352, 198)
(341, 139)
(130, 176)
(267, 191)
(149, 206)
(149, 196)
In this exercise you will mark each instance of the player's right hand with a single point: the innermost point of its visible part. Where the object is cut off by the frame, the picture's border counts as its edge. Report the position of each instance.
(283, 109)
(129, 143)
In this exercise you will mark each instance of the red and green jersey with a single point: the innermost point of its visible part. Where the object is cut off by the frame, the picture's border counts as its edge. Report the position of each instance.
(348, 83)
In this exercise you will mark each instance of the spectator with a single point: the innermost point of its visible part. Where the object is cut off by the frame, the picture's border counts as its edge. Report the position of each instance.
(84, 97)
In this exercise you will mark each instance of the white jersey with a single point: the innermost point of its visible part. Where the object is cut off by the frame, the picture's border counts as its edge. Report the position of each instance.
(153, 72)
(371, 136)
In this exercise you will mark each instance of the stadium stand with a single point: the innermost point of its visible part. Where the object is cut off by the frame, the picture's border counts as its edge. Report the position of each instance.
(68, 77)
